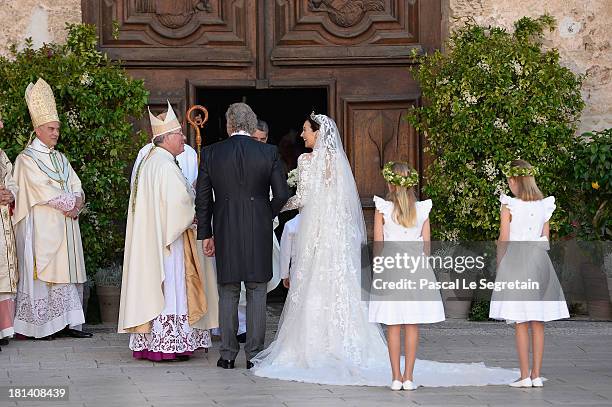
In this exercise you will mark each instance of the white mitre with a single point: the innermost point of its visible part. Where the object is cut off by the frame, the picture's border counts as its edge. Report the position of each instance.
(41, 103)
(169, 123)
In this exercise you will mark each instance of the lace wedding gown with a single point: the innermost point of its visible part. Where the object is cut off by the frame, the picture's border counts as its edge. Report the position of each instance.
(324, 335)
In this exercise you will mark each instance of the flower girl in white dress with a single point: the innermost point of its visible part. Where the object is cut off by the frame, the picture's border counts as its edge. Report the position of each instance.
(522, 256)
(401, 218)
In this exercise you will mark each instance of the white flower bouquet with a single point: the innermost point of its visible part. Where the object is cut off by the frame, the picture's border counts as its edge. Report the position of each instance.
(292, 178)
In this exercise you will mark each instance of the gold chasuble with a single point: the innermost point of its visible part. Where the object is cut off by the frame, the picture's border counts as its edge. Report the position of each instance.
(42, 175)
(161, 210)
(8, 259)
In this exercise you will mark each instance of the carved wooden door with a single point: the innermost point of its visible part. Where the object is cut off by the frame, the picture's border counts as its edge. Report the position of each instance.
(359, 50)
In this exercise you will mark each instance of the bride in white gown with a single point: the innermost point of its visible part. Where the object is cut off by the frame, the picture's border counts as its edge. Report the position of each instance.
(324, 335)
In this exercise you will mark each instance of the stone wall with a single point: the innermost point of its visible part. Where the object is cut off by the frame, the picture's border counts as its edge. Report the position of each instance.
(583, 35)
(582, 38)
(42, 20)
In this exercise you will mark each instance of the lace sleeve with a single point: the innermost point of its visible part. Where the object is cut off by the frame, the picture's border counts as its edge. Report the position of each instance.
(295, 202)
(64, 202)
(285, 253)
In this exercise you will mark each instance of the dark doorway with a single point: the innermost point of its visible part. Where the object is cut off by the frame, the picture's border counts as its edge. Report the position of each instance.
(283, 109)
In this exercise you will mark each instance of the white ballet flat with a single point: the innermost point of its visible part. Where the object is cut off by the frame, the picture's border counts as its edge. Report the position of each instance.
(526, 382)
(408, 385)
(396, 385)
(537, 382)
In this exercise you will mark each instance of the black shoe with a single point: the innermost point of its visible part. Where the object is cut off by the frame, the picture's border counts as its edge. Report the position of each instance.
(241, 338)
(249, 364)
(182, 358)
(73, 333)
(4, 341)
(225, 364)
(46, 338)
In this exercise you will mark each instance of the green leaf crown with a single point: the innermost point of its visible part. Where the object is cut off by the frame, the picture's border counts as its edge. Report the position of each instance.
(512, 171)
(405, 181)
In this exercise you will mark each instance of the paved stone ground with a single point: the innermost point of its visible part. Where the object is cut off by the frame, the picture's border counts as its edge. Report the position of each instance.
(101, 372)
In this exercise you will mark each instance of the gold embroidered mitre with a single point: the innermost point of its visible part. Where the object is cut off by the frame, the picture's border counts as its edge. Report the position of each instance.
(41, 103)
(161, 125)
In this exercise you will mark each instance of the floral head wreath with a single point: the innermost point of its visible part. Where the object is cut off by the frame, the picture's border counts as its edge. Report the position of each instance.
(405, 181)
(512, 171)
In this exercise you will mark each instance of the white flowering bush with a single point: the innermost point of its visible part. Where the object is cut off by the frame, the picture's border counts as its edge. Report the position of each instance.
(492, 97)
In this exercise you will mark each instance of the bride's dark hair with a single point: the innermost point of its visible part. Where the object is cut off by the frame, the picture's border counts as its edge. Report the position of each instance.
(313, 125)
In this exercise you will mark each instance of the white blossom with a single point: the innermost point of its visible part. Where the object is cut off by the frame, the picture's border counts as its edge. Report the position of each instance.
(86, 80)
(490, 170)
(443, 81)
(469, 98)
(73, 119)
(501, 188)
(518, 68)
(451, 235)
(539, 119)
(484, 66)
(501, 125)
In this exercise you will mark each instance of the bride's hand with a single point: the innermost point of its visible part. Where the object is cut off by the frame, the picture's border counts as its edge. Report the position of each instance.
(286, 283)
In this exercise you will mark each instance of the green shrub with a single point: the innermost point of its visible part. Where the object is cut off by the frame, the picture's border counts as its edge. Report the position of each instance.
(593, 175)
(95, 100)
(479, 311)
(492, 97)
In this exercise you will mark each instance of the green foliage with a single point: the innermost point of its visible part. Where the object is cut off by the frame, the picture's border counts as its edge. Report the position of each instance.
(593, 175)
(95, 100)
(109, 276)
(479, 311)
(495, 96)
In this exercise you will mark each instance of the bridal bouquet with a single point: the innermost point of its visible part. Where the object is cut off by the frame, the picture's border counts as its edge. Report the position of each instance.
(292, 178)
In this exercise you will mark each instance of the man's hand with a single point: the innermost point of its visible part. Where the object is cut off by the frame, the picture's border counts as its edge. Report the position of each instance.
(208, 246)
(74, 213)
(78, 205)
(6, 197)
(286, 283)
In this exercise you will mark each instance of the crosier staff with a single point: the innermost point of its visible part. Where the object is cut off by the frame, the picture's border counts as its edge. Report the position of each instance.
(198, 123)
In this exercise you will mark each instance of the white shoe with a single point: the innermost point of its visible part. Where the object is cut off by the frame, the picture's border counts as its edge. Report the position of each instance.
(396, 385)
(408, 385)
(537, 382)
(526, 382)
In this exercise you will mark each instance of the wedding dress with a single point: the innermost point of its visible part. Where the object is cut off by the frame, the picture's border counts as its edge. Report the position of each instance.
(324, 335)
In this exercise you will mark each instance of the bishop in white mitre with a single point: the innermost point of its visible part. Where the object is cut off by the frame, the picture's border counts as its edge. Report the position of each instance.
(48, 238)
(188, 162)
(163, 299)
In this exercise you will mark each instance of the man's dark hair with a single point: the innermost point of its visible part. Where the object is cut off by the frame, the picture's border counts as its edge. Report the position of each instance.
(262, 126)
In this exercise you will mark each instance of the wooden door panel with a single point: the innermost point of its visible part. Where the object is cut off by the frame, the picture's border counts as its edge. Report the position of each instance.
(332, 32)
(376, 132)
(176, 33)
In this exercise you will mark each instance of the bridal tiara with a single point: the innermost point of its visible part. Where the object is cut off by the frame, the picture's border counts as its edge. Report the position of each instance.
(314, 116)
